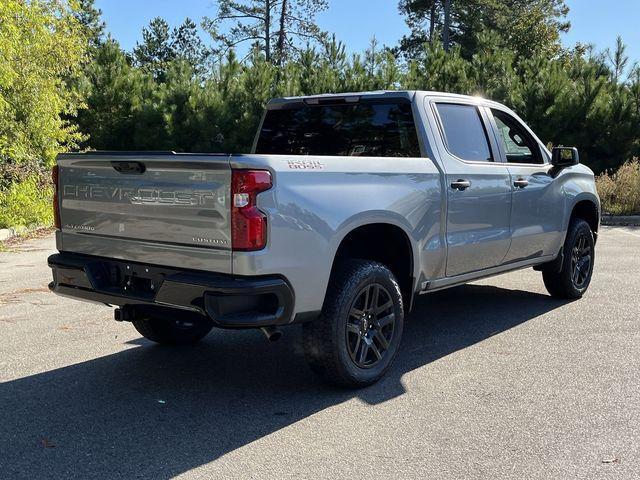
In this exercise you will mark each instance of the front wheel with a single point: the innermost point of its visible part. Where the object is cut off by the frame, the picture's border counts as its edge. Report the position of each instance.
(573, 279)
(357, 336)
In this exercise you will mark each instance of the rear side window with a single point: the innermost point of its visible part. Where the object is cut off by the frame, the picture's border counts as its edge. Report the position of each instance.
(362, 129)
(464, 132)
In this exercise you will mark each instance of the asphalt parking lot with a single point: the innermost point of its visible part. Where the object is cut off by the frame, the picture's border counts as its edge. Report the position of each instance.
(494, 380)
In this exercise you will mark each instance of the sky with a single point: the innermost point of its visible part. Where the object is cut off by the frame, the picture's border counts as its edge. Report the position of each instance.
(355, 22)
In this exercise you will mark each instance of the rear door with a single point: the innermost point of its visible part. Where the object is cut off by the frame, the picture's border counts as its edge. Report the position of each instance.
(535, 223)
(164, 209)
(478, 189)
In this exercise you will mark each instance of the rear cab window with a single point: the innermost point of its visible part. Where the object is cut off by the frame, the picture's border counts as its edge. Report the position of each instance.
(464, 132)
(367, 128)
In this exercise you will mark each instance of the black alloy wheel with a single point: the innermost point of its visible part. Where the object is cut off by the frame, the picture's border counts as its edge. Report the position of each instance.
(581, 256)
(370, 326)
(356, 337)
(571, 279)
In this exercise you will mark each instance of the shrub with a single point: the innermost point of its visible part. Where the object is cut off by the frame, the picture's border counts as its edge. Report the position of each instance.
(620, 191)
(26, 203)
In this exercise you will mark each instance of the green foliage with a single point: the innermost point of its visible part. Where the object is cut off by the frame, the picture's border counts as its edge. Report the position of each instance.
(42, 48)
(113, 92)
(90, 19)
(187, 46)
(41, 45)
(576, 98)
(154, 53)
(26, 203)
(527, 27)
(438, 70)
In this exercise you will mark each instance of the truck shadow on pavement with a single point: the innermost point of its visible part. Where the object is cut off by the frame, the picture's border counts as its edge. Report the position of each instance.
(154, 412)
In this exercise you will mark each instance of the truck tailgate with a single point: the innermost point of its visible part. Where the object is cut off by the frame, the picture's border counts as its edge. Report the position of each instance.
(164, 209)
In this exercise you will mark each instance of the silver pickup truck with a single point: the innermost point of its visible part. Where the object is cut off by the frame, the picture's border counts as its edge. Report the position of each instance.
(349, 206)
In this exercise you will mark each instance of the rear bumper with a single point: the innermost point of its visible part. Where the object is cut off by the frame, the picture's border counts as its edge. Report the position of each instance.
(231, 302)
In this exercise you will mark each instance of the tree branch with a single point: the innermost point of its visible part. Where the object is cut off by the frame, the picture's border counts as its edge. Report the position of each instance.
(231, 17)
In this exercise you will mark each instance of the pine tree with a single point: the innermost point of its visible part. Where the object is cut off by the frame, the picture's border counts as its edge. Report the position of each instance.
(187, 45)
(112, 94)
(423, 19)
(90, 18)
(523, 26)
(275, 27)
(154, 53)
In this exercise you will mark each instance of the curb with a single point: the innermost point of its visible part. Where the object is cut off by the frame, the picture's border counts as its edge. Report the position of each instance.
(9, 233)
(6, 234)
(619, 220)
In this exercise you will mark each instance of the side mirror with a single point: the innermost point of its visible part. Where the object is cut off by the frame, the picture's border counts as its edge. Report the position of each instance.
(564, 157)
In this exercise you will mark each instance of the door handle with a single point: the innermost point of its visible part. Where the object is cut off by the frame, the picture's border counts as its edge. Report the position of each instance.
(460, 184)
(521, 183)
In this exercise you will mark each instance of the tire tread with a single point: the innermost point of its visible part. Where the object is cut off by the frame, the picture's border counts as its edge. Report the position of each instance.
(559, 284)
(320, 352)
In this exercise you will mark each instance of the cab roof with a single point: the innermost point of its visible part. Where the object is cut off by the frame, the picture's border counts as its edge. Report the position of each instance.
(375, 95)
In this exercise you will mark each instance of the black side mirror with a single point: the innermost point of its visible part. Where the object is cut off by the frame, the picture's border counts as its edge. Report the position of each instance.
(564, 157)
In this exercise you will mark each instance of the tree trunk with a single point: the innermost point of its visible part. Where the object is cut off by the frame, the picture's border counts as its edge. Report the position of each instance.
(282, 33)
(447, 25)
(432, 20)
(267, 30)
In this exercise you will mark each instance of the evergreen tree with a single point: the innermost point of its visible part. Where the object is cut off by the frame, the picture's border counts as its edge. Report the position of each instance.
(527, 27)
(523, 26)
(618, 60)
(155, 52)
(90, 18)
(423, 17)
(187, 45)
(565, 95)
(112, 90)
(275, 27)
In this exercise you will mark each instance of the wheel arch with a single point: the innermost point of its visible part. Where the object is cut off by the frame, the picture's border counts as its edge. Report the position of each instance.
(586, 207)
(383, 241)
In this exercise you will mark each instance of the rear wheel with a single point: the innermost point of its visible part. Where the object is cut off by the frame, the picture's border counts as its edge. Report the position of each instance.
(357, 336)
(573, 279)
(173, 331)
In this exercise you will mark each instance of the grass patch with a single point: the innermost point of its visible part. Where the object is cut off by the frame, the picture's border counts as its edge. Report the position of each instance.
(620, 191)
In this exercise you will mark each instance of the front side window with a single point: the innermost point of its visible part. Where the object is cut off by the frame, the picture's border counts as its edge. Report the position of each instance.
(364, 129)
(464, 132)
(519, 145)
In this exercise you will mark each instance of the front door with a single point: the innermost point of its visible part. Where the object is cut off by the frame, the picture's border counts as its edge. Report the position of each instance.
(536, 228)
(478, 190)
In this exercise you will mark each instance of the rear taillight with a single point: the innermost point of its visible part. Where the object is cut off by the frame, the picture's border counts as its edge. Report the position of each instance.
(56, 200)
(248, 224)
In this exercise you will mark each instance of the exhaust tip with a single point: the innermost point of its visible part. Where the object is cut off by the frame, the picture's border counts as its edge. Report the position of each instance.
(272, 333)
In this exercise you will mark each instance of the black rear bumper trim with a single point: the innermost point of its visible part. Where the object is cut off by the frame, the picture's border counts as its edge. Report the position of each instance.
(230, 301)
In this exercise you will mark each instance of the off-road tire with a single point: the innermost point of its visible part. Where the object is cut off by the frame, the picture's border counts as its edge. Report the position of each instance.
(562, 284)
(327, 345)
